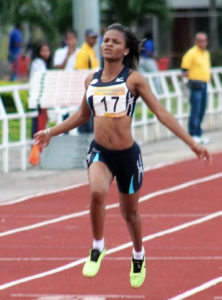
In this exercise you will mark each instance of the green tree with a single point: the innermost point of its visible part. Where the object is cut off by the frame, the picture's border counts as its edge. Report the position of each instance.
(52, 17)
(133, 12)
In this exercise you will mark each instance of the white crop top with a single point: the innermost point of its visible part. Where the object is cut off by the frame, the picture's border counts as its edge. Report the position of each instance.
(111, 99)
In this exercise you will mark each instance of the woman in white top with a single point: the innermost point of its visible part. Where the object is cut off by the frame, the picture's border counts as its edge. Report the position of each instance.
(42, 59)
(41, 62)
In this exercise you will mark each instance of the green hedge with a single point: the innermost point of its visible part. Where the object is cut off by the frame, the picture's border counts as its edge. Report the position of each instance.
(7, 98)
(15, 130)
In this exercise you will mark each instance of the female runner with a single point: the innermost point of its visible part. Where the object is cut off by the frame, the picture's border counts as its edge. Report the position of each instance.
(111, 95)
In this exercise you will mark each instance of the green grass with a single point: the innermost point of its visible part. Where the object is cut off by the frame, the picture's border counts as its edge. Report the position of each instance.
(174, 107)
(14, 125)
(14, 130)
(150, 115)
(138, 112)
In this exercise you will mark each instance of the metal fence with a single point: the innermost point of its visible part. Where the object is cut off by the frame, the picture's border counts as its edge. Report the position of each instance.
(168, 86)
(172, 90)
(5, 118)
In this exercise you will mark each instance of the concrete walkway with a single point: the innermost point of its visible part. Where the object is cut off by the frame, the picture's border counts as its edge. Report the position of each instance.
(17, 184)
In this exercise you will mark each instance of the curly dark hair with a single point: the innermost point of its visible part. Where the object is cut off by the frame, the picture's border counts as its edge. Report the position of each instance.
(37, 50)
(131, 60)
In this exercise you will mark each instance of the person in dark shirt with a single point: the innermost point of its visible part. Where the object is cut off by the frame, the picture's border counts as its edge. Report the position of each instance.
(147, 60)
(14, 49)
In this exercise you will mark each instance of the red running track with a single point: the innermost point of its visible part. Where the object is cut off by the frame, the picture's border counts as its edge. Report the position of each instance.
(181, 210)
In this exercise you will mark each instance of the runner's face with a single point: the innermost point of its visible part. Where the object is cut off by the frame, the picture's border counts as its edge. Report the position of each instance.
(45, 52)
(114, 45)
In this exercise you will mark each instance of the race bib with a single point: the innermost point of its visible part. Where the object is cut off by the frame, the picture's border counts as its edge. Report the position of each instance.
(109, 101)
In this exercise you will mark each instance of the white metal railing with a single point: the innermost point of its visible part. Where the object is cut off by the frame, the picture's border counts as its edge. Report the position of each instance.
(171, 89)
(5, 117)
(168, 86)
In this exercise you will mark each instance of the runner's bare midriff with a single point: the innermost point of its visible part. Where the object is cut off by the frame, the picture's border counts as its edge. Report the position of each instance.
(113, 133)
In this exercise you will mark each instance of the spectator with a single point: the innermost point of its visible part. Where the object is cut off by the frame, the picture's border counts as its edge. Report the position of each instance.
(86, 59)
(14, 49)
(103, 30)
(64, 58)
(196, 65)
(41, 62)
(42, 59)
(147, 61)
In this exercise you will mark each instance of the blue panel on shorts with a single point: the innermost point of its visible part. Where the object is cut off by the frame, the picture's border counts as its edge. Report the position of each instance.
(96, 158)
(131, 189)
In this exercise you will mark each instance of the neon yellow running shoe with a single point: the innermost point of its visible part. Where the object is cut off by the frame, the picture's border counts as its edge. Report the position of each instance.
(137, 272)
(92, 265)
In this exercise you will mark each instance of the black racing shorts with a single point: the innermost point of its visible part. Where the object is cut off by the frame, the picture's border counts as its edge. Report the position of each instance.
(126, 165)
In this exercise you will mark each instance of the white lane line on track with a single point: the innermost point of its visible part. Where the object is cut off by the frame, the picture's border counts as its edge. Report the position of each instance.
(181, 186)
(45, 223)
(147, 169)
(110, 251)
(113, 215)
(67, 188)
(189, 215)
(157, 166)
(79, 297)
(86, 212)
(198, 289)
(37, 259)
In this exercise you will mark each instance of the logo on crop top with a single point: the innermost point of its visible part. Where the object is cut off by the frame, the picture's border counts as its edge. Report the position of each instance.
(119, 79)
(94, 81)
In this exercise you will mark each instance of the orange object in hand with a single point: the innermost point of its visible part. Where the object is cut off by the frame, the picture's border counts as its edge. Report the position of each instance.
(34, 156)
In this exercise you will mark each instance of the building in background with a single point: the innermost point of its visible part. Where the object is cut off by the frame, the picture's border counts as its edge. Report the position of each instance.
(191, 16)
(171, 39)
(188, 17)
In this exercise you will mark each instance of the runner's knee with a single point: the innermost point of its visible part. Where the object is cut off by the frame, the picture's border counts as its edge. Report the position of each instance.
(130, 216)
(98, 196)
